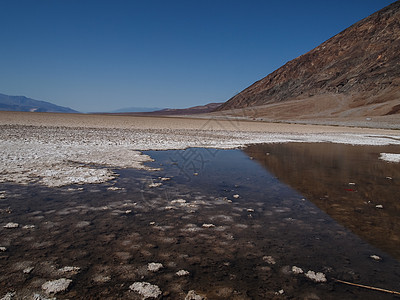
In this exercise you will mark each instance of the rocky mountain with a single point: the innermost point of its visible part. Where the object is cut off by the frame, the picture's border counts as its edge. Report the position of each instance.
(356, 73)
(21, 103)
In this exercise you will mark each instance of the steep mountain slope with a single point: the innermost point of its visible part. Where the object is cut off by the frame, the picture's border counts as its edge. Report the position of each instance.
(355, 73)
(21, 103)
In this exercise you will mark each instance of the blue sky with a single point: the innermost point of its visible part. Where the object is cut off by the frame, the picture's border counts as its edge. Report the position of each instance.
(105, 55)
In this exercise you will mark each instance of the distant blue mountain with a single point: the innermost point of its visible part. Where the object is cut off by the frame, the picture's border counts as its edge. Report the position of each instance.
(136, 109)
(22, 103)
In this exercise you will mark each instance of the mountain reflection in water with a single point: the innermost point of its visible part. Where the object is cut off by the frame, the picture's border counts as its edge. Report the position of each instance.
(350, 183)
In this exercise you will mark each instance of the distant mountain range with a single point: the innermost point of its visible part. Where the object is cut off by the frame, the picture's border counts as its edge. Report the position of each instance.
(356, 73)
(137, 109)
(201, 109)
(21, 103)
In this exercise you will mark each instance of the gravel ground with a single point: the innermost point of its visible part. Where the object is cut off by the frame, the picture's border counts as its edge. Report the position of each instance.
(61, 149)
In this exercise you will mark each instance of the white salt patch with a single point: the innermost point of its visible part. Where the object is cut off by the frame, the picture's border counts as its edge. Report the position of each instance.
(156, 184)
(146, 289)
(182, 273)
(56, 286)
(28, 270)
(269, 259)
(28, 226)
(208, 225)
(8, 296)
(192, 295)
(69, 269)
(154, 267)
(178, 201)
(11, 225)
(297, 270)
(40, 297)
(390, 157)
(317, 277)
(376, 257)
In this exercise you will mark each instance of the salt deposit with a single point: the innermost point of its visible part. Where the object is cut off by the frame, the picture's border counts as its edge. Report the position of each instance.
(154, 267)
(390, 157)
(56, 286)
(11, 225)
(297, 270)
(146, 289)
(182, 273)
(60, 152)
(317, 277)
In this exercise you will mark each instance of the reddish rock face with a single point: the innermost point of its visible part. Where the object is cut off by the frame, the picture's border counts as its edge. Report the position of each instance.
(362, 64)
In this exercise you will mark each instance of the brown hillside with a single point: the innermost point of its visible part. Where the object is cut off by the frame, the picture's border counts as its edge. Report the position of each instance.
(355, 73)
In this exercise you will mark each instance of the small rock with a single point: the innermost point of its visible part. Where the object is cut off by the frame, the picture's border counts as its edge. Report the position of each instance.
(154, 267)
(280, 292)
(196, 174)
(3, 249)
(152, 223)
(28, 270)
(236, 196)
(376, 257)
(146, 289)
(11, 225)
(192, 295)
(379, 206)
(389, 178)
(56, 286)
(297, 270)
(250, 210)
(165, 178)
(128, 211)
(182, 273)
(269, 259)
(352, 183)
(317, 277)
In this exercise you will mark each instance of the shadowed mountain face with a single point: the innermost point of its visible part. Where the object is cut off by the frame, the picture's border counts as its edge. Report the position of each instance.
(359, 67)
(21, 103)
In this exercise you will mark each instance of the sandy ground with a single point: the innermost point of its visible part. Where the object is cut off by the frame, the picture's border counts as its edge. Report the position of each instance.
(61, 149)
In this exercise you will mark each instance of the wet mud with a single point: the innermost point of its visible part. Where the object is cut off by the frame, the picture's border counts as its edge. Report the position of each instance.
(217, 221)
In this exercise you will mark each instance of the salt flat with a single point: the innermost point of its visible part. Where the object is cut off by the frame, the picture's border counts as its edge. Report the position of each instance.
(60, 149)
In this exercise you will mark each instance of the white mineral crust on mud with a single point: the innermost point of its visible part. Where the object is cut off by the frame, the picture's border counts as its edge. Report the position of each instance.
(317, 277)
(154, 267)
(146, 289)
(391, 157)
(56, 286)
(66, 151)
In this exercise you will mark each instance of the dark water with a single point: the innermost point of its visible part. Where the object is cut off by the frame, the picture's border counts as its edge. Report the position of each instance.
(262, 226)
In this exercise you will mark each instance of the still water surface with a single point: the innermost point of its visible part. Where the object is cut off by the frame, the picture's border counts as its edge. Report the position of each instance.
(236, 220)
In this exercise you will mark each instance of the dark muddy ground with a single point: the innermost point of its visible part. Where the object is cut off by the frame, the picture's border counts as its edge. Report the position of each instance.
(222, 217)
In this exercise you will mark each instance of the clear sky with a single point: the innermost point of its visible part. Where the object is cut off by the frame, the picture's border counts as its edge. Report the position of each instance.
(105, 55)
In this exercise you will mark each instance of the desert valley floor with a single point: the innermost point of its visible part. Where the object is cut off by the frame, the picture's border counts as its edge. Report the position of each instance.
(120, 207)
